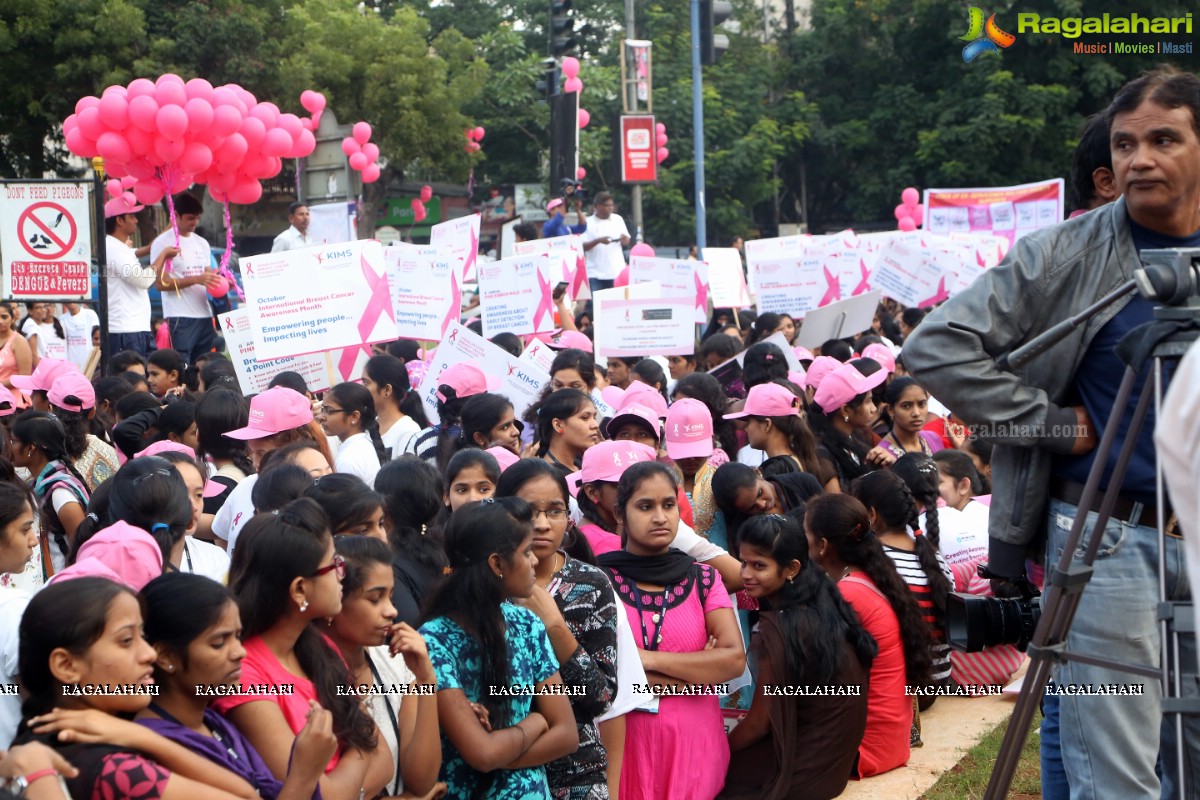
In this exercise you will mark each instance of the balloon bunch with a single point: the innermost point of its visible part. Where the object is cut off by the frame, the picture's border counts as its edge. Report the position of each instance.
(314, 103)
(474, 137)
(418, 204)
(570, 70)
(910, 213)
(122, 187)
(363, 153)
(660, 140)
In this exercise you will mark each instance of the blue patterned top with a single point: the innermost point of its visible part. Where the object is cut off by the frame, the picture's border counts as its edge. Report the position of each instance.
(457, 662)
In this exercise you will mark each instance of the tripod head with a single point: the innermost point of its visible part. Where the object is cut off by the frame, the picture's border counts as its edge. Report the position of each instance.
(1171, 276)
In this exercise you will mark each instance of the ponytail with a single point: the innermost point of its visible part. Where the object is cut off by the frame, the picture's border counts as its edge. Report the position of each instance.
(353, 398)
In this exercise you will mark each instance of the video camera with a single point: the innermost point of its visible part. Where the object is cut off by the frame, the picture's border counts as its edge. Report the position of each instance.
(974, 622)
(572, 189)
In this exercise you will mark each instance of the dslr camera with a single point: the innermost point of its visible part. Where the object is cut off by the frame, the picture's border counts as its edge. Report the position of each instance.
(572, 190)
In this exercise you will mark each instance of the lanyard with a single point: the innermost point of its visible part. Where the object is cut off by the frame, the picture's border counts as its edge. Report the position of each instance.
(659, 617)
(391, 716)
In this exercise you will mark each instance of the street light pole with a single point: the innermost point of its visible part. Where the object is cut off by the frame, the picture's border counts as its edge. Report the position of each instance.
(698, 129)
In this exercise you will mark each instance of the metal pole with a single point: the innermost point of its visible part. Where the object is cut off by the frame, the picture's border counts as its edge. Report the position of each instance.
(101, 250)
(698, 129)
(631, 88)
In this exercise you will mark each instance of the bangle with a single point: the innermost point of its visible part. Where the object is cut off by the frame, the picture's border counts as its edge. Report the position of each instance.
(521, 731)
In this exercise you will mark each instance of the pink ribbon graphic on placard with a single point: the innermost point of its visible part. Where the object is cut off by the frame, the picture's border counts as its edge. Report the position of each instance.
(580, 278)
(452, 314)
(701, 293)
(938, 297)
(378, 305)
(864, 285)
(546, 303)
(469, 261)
(834, 291)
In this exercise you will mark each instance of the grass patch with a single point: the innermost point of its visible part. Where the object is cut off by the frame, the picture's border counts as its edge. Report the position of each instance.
(969, 778)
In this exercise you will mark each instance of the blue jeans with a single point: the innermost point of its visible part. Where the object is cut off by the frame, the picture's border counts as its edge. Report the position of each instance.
(1110, 744)
(1054, 777)
(141, 343)
(192, 337)
(596, 284)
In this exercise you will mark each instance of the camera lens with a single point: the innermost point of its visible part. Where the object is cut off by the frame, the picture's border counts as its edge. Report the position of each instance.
(974, 623)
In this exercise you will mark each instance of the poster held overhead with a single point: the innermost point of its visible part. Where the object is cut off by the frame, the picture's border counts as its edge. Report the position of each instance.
(461, 237)
(655, 326)
(425, 287)
(838, 320)
(516, 294)
(726, 279)
(254, 376)
(520, 381)
(331, 223)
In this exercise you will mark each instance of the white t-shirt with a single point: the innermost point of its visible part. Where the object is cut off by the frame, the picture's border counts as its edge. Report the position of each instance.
(78, 328)
(392, 672)
(203, 558)
(961, 536)
(357, 456)
(292, 239)
(605, 261)
(751, 456)
(128, 285)
(189, 302)
(49, 343)
(396, 438)
(12, 606)
(237, 511)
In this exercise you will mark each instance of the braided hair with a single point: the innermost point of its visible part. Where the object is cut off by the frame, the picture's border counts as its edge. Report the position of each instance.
(920, 474)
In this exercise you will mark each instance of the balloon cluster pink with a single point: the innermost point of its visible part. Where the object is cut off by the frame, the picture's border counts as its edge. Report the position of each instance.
(660, 140)
(363, 153)
(910, 213)
(418, 203)
(314, 103)
(169, 134)
(474, 137)
(122, 187)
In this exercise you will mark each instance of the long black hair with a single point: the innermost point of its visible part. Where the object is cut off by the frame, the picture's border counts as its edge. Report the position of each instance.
(590, 511)
(179, 607)
(563, 404)
(707, 389)
(168, 361)
(219, 411)
(278, 486)
(729, 479)
(68, 614)
(814, 617)
(472, 594)
(849, 453)
(764, 362)
(46, 433)
(149, 493)
(345, 499)
(527, 469)
(449, 427)
(360, 552)
(412, 500)
(958, 465)
(572, 358)
(920, 474)
(58, 328)
(481, 413)
(273, 550)
(843, 521)
(649, 372)
(108, 391)
(354, 397)
(387, 370)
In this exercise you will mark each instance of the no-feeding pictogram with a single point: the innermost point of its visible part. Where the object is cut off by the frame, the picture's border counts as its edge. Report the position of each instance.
(47, 230)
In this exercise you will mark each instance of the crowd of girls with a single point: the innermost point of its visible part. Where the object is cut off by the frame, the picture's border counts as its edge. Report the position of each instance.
(294, 595)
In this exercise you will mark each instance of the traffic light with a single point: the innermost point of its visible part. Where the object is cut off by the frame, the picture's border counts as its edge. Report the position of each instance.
(548, 84)
(712, 44)
(564, 138)
(562, 28)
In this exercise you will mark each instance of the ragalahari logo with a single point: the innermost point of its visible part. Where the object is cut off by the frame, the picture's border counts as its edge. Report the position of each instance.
(984, 37)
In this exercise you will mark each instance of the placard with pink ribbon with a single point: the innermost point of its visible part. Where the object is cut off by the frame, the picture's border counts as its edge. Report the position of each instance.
(517, 294)
(318, 298)
(726, 278)
(520, 381)
(426, 287)
(255, 376)
(461, 237)
(573, 261)
(678, 278)
(907, 272)
(656, 326)
(792, 285)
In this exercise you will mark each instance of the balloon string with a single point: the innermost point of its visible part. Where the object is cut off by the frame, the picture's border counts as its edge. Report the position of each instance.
(224, 271)
(166, 177)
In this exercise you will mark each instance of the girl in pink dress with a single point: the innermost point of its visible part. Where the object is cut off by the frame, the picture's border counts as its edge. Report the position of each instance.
(688, 640)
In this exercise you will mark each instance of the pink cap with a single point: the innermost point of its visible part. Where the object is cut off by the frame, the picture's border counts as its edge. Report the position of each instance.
(128, 551)
(818, 369)
(803, 353)
(768, 400)
(276, 410)
(881, 354)
(466, 380)
(72, 384)
(43, 377)
(553, 204)
(797, 377)
(87, 568)
(211, 488)
(689, 430)
(631, 412)
(566, 340)
(607, 461)
(8, 402)
(613, 396)
(504, 457)
(119, 205)
(843, 385)
(643, 394)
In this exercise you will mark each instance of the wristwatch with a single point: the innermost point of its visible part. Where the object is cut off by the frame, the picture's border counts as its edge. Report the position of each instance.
(18, 784)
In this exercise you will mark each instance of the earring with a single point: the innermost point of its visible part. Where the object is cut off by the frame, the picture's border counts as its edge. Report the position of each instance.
(792, 578)
(170, 667)
(303, 606)
(500, 575)
(845, 417)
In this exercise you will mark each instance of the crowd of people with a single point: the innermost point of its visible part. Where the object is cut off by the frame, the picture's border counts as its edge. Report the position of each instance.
(290, 595)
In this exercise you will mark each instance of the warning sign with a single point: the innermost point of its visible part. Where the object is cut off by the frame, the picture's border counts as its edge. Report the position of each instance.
(45, 239)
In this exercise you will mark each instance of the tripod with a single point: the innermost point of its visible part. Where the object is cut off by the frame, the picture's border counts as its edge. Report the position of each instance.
(1066, 582)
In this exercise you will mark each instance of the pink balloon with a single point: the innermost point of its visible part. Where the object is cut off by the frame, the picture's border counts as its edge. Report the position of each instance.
(114, 111)
(226, 120)
(918, 214)
(273, 111)
(910, 196)
(660, 140)
(660, 127)
(580, 174)
(316, 120)
(140, 142)
(130, 198)
(114, 187)
(231, 152)
(225, 96)
(70, 124)
(584, 118)
(254, 131)
(218, 288)
(370, 173)
(426, 193)
(306, 123)
(170, 93)
(143, 112)
(371, 151)
(477, 134)
(80, 145)
(116, 89)
(246, 192)
(198, 89)
(907, 224)
(257, 167)
(420, 213)
(642, 249)
(290, 123)
(168, 77)
(350, 147)
(196, 158)
(169, 151)
(362, 132)
(217, 194)
(127, 181)
(573, 85)
(139, 87)
(172, 122)
(89, 122)
(112, 146)
(359, 161)
(277, 143)
(313, 102)
(901, 211)
(148, 193)
(222, 181)
(472, 147)
(570, 66)
(663, 154)
(622, 278)
(415, 203)
(86, 102)
(305, 144)
(140, 170)
(180, 183)
(199, 114)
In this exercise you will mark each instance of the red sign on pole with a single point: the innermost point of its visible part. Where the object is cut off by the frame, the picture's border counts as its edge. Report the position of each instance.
(638, 163)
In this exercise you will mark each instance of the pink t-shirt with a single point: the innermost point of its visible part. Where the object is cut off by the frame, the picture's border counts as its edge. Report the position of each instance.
(265, 679)
(601, 540)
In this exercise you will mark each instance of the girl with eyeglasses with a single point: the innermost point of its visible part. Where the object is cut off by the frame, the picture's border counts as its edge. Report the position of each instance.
(285, 574)
(576, 603)
(348, 413)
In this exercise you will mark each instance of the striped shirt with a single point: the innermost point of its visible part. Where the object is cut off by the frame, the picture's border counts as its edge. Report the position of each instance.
(909, 567)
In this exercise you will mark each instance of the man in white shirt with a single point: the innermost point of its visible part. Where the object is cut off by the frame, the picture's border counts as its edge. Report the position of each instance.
(184, 282)
(605, 236)
(128, 281)
(296, 236)
(77, 324)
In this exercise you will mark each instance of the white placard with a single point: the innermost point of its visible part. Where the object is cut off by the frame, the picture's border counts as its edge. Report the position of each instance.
(906, 273)
(655, 326)
(574, 262)
(318, 298)
(838, 320)
(515, 294)
(520, 381)
(331, 223)
(539, 354)
(253, 375)
(640, 290)
(791, 285)
(426, 293)
(678, 278)
(461, 237)
(726, 278)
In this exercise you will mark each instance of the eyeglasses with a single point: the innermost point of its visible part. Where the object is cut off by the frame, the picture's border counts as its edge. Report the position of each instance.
(551, 514)
(326, 410)
(338, 565)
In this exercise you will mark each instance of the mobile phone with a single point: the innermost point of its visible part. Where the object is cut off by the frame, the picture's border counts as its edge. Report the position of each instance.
(560, 289)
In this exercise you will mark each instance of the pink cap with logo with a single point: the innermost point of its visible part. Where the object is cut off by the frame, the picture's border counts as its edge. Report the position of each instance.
(643, 394)
(43, 376)
(566, 340)
(689, 430)
(768, 400)
(466, 380)
(635, 412)
(276, 410)
(881, 354)
(818, 369)
(803, 353)
(70, 384)
(607, 461)
(843, 385)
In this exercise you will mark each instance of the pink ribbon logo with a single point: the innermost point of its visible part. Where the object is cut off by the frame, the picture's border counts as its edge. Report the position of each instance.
(378, 305)
(938, 297)
(452, 313)
(580, 280)
(545, 304)
(833, 292)
(701, 293)
(864, 285)
(469, 260)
